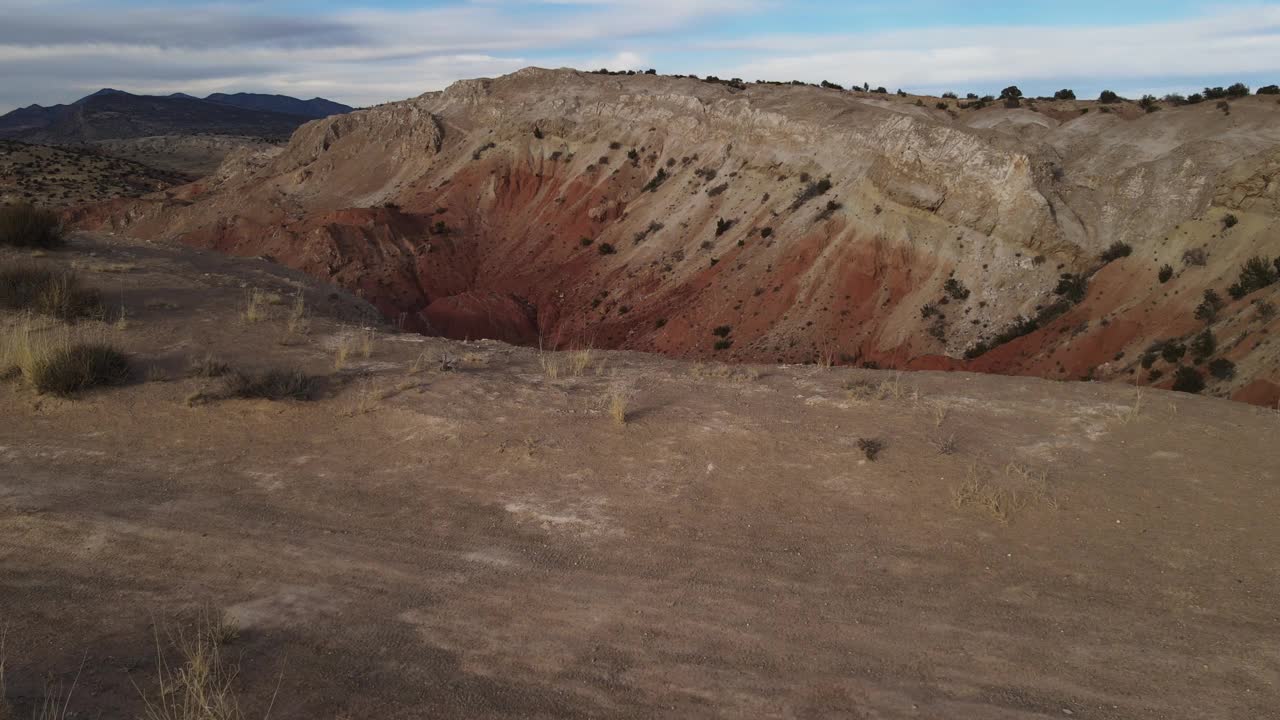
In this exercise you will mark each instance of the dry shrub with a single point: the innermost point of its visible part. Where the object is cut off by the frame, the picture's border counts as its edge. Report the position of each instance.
(871, 448)
(41, 290)
(208, 366)
(30, 227)
(275, 384)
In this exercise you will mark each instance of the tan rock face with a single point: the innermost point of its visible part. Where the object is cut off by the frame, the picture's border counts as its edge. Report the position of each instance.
(643, 212)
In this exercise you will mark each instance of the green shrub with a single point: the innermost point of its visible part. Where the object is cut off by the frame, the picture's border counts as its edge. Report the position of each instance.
(76, 367)
(1108, 98)
(1072, 287)
(722, 226)
(272, 385)
(956, 289)
(1258, 272)
(1172, 351)
(1148, 103)
(659, 178)
(48, 292)
(1166, 273)
(1188, 380)
(30, 227)
(1065, 94)
(1222, 369)
(1203, 346)
(1208, 308)
(1116, 251)
(606, 249)
(1229, 221)
(724, 344)
(811, 191)
(1269, 90)
(722, 331)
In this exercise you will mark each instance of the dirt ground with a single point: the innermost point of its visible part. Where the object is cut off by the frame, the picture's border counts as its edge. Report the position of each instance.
(486, 542)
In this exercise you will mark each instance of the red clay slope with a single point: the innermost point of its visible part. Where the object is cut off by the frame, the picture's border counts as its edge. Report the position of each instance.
(647, 212)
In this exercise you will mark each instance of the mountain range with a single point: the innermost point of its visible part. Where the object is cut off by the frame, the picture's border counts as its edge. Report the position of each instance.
(110, 114)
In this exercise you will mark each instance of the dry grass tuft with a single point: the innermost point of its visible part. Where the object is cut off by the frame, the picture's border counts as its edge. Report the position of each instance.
(579, 361)
(939, 411)
(1003, 494)
(1133, 412)
(202, 685)
(59, 363)
(296, 322)
(550, 364)
(255, 309)
(619, 400)
(367, 338)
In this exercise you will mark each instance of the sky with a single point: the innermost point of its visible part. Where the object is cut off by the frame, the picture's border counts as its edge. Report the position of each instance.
(363, 53)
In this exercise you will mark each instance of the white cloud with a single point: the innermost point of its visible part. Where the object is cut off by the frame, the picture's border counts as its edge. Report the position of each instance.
(56, 50)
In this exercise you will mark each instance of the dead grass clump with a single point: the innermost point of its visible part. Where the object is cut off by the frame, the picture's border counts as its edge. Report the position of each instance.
(275, 384)
(26, 226)
(891, 388)
(871, 448)
(1002, 494)
(56, 293)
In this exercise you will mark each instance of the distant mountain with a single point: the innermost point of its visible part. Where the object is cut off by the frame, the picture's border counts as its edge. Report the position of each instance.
(110, 114)
(314, 108)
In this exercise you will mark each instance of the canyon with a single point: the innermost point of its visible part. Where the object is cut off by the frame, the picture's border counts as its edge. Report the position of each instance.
(753, 222)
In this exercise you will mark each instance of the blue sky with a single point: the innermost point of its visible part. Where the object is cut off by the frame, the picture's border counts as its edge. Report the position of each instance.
(367, 52)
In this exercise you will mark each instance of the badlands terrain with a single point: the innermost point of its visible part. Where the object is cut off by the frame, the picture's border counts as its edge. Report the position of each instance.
(777, 223)
(436, 528)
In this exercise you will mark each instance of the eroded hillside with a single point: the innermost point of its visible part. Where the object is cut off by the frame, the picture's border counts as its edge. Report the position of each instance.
(779, 223)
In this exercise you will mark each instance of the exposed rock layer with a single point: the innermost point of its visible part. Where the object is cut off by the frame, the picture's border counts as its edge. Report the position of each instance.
(644, 212)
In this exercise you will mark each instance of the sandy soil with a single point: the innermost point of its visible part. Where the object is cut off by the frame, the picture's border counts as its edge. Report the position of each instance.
(485, 542)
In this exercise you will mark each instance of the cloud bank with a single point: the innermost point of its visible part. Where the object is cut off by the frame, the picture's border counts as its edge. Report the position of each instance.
(58, 50)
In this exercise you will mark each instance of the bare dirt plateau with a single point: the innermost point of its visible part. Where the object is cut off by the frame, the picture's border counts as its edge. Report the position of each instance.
(485, 542)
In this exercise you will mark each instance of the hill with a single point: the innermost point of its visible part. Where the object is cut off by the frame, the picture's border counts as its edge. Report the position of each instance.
(113, 115)
(313, 108)
(758, 222)
(53, 176)
(475, 530)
